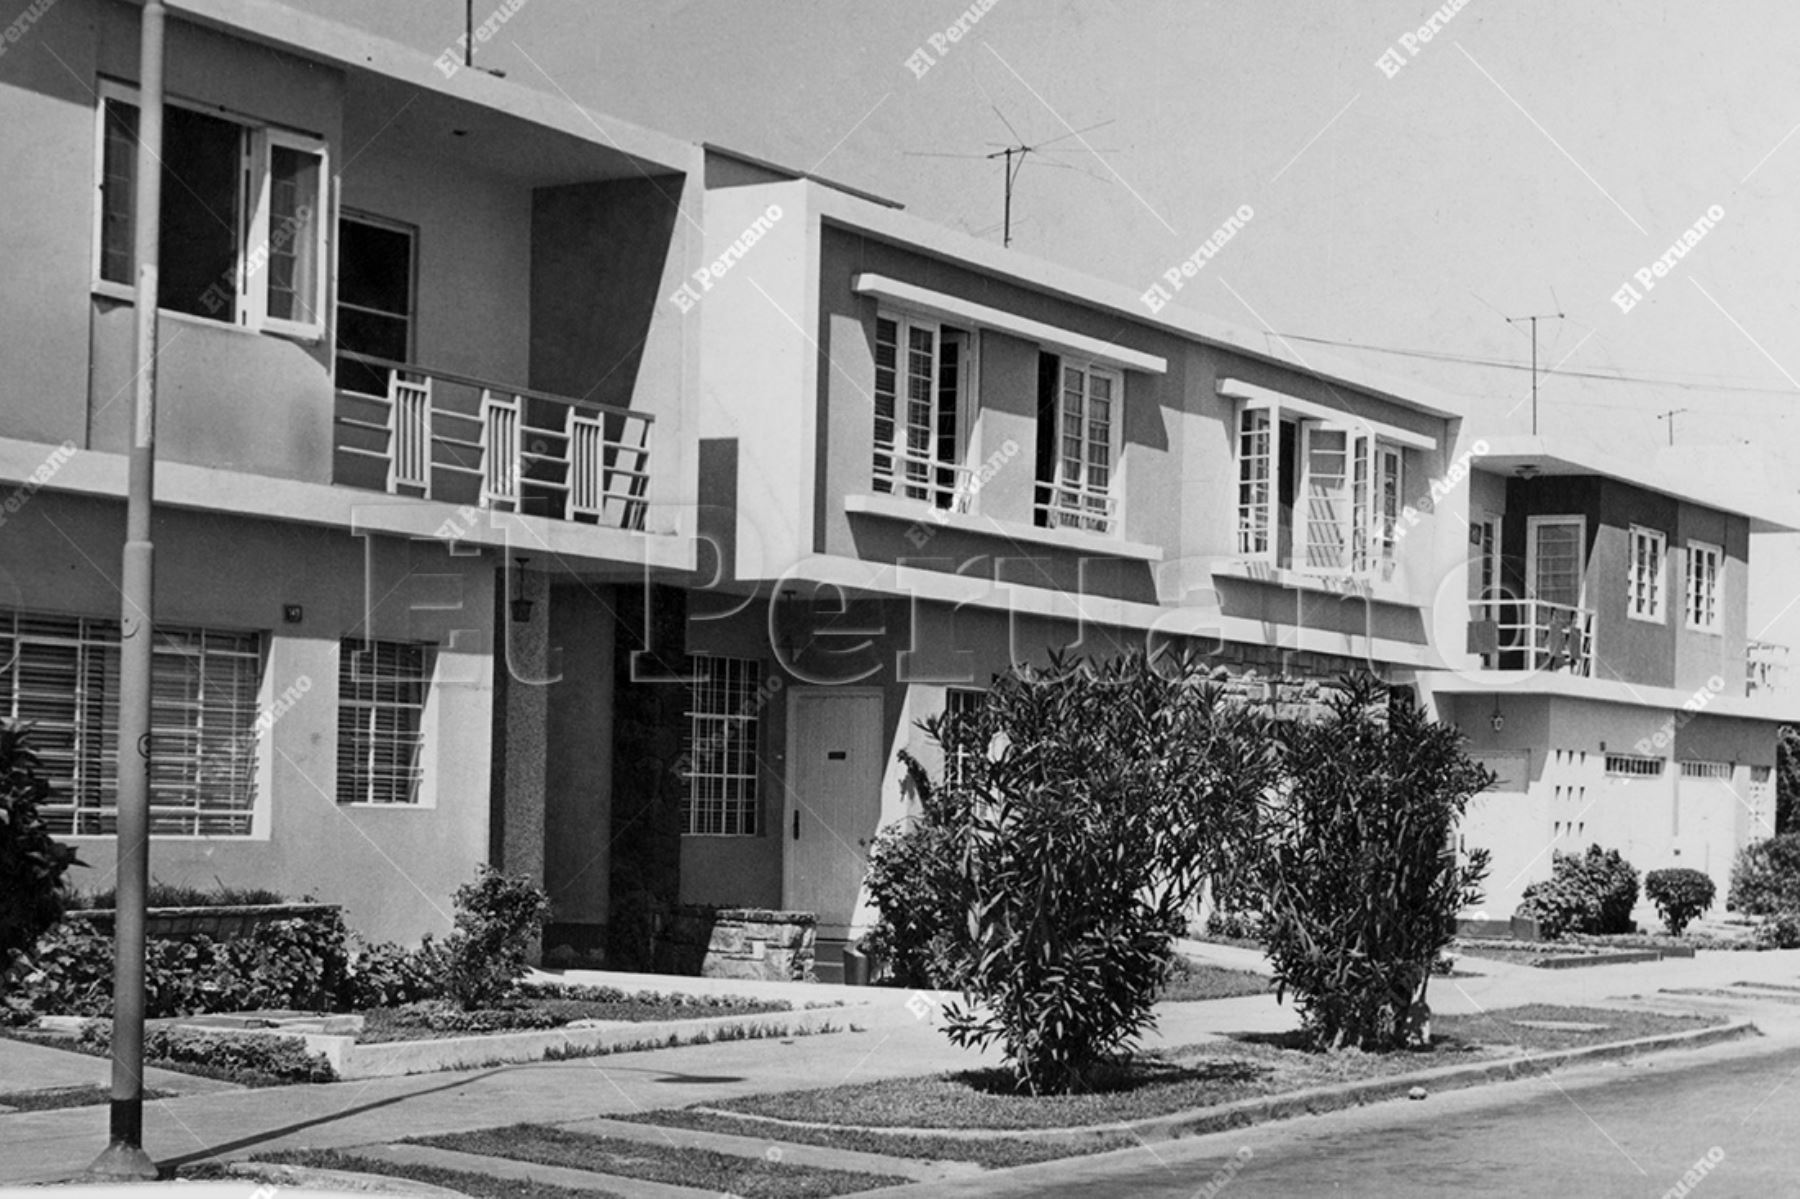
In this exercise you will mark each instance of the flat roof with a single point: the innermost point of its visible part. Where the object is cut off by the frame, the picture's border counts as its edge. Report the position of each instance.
(1682, 477)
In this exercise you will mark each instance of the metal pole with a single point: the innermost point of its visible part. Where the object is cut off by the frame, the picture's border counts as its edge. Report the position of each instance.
(124, 1156)
(1534, 376)
(469, 33)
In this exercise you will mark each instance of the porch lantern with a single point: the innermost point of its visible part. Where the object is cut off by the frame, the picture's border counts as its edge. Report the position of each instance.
(1497, 721)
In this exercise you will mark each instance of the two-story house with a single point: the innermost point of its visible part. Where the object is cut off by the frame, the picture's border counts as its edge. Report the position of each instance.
(1597, 655)
(425, 430)
(924, 458)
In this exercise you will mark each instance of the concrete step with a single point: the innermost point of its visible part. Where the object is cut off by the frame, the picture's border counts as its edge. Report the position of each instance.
(828, 960)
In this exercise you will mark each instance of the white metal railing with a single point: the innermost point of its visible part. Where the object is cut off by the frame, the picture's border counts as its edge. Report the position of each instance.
(444, 436)
(947, 486)
(1534, 634)
(1765, 667)
(1060, 506)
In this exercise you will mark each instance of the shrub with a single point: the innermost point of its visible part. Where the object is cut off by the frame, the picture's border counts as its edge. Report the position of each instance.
(1234, 925)
(1091, 802)
(32, 862)
(1360, 892)
(1765, 878)
(912, 883)
(243, 1058)
(441, 1017)
(1592, 892)
(389, 975)
(498, 920)
(1680, 895)
(1779, 931)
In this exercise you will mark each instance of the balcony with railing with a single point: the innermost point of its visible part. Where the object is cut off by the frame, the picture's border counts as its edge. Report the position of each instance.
(1532, 634)
(409, 430)
(1765, 668)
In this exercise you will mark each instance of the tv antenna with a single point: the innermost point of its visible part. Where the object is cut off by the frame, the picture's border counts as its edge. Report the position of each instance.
(469, 40)
(1670, 416)
(1013, 154)
(1534, 319)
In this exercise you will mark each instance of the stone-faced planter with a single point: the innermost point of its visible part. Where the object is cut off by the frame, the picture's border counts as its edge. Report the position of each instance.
(754, 943)
(219, 923)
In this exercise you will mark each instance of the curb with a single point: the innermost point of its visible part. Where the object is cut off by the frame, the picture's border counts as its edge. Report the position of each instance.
(1318, 1100)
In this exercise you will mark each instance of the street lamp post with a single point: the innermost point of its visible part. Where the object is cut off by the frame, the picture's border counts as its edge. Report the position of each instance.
(124, 1156)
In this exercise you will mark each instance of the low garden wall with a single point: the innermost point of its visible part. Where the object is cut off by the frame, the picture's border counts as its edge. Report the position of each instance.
(753, 943)
(219, 923)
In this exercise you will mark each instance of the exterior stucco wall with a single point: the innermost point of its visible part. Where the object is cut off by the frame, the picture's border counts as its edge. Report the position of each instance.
(393, 868)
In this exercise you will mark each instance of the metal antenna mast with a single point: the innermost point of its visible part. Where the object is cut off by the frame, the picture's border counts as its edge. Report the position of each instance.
(1670, 416)
(1013, 155)
(1534, 319)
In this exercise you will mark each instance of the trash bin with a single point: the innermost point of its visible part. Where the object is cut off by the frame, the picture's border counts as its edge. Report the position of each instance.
(856, 968)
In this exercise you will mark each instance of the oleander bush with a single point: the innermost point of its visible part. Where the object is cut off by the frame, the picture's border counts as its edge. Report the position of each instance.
(1360, 893)
(1681, 895)
(1090, 802)
(1591, 892)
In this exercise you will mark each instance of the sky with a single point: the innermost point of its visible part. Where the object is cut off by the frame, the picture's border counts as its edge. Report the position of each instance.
(1407, 192)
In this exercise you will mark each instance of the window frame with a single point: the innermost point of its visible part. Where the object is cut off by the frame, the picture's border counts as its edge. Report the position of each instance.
(243, 741)
(1374, 478)
(961, 496)
(411, 233)
(257, 141)
(744, 712)
(1656, 585)
(1701, 593)
(1081, 519)
(423, 797)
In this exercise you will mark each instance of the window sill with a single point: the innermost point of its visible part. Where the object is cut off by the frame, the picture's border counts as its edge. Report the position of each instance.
(390, 807)
(1656, 620)
(919, 513)
(1346, 585)
(118, 293)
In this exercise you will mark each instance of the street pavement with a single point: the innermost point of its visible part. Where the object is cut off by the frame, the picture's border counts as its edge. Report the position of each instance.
(1630, 1128)
(898, 1037)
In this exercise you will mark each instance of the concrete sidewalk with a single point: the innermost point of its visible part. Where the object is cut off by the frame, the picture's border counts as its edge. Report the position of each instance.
(896, 1042)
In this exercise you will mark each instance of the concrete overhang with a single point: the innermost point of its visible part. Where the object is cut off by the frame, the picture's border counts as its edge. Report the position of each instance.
(1534, 457)
(421, 103)
(1779, 707)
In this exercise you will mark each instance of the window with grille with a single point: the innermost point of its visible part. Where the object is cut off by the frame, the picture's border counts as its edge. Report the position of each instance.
(1703, 586)
(61, 675)
(382, 690)
(1633, 766)
(1759, 775)
(924, 411)
(1644, 598)
(724, 701)
(1706, 770)
(1077, 447)
(960, 701)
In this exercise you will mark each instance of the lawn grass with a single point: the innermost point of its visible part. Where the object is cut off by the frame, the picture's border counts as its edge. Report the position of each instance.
(724, 1173)
(478, 1186)
(993, 1153)
(53, 1098)
(1190, 981)
(1189, 1077)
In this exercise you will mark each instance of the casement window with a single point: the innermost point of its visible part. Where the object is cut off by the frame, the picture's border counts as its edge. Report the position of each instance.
(724, 705)
(243, 216)
(60, 674)
(924, 411)
(1644, 595)
(1078, 445)
(383, 687)
(1703, 569)
(375, 306)
(1319, 495)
